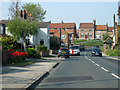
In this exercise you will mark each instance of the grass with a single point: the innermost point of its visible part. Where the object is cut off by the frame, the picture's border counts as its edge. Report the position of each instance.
(88, 42)
(114, 52)
(19, 63)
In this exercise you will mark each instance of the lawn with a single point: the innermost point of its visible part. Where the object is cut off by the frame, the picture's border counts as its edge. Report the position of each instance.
(88, 42)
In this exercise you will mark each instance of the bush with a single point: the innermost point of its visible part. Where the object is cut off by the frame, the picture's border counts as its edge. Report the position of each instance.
(32, 53)
(42, 48)
(17, 56)
(9, 43)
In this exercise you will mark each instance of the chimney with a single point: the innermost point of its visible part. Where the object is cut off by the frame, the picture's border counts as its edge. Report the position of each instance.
(24, 14)
(62, 21)
(107, 26)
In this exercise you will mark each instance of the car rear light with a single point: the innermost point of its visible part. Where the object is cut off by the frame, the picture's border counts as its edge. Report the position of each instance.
(59, 49)
(67, 49)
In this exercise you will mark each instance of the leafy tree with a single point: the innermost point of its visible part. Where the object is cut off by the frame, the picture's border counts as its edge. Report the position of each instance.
(14, 9)
(54, 44)
(37, 13)
(21, 28)
(105, 36)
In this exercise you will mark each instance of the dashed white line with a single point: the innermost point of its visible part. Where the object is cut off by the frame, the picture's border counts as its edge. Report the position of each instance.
(89, 59)
(115, 75)
(92, 61)
(104, 69)
(97, 64)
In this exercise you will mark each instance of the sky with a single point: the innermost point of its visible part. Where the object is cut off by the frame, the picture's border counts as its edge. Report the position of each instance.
(73, 12)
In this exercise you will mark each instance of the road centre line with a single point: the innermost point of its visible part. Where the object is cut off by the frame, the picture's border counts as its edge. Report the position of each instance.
(115, 75)
(104, 69)
(97, 64)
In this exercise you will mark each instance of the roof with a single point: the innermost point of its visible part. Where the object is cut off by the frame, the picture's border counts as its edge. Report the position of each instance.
(2, 22)
(101, 27)
(86, 25)
(62, 25)
(53, 31)
(44, 24)
(110, 29)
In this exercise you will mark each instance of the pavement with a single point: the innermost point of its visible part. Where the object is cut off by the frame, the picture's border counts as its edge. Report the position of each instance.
(24, 77)
(112, 57)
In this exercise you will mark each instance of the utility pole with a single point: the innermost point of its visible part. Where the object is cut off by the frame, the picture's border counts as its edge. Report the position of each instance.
(114, 28)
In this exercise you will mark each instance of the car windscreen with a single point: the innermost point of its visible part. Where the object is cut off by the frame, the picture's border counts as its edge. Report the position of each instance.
(97, 50)
(74, 47)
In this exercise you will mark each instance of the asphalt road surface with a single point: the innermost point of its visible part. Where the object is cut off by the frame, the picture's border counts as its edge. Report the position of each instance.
(83, 71)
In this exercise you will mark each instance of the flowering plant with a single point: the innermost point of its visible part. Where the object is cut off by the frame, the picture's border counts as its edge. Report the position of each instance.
(16, 56)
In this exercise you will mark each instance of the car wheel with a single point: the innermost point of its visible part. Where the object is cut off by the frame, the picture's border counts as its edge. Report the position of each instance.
(100, 55)
(92, 54)
(78, 54)
(68, 57)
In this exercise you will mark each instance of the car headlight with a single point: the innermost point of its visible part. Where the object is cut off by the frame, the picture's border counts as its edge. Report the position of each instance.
(93, 52)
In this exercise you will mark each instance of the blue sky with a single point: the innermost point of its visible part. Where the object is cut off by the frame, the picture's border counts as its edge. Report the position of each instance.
(75, 12)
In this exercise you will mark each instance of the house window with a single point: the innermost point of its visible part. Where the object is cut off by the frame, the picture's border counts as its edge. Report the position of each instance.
(82, 35)
(71, 35)
(41, 42)
(65, 29)
(82, 30)
(58, 28)
(99, 31)
(63, 36)
(52, 29)
(71, 29)
(90, 35)
(90, 29)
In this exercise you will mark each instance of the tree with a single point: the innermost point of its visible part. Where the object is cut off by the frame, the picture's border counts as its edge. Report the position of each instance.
(37, 13)
(14, 9)
(105, 36)
(21, 28)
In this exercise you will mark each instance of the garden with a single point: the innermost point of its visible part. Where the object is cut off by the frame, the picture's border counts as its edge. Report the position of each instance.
(13, 55)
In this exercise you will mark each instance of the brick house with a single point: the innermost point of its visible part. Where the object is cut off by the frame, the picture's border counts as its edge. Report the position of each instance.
(68, 27)
(100, 30)
(110, 31)
(65, 37)
(86, 31)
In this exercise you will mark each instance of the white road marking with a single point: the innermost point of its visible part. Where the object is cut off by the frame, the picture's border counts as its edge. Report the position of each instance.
(89, 59)
(104, 69)
(115, 75)
(97, 64)
(93, 62)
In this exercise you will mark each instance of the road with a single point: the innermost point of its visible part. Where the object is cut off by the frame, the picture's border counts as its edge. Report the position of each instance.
(83, 71)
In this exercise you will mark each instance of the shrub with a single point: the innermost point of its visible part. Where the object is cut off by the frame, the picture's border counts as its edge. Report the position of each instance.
(9, 43)
(17, 56)
(42, 48)
(31, 52)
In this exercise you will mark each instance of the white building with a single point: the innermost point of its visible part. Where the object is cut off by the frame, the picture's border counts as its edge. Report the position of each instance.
(42, 36)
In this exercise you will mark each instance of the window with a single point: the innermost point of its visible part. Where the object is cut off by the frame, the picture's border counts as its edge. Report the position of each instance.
(82, 30)
(41, 42)
(90, 35)
(71, 29)
(65, 29)
(99, 31)
(90, 29)
(82, 35)
(52, 29)
(63, 36)
(71, 35)
(58, 28)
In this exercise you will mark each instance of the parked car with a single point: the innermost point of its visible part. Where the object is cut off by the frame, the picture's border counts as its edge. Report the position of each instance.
(63, 52)
(96, 52)
(74, 50)
(82, 47)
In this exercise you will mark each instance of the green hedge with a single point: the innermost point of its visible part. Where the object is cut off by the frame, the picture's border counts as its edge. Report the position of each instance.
(42, 48)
